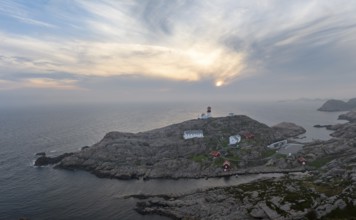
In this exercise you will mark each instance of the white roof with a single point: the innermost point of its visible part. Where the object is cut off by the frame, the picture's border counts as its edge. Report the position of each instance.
(193, 132)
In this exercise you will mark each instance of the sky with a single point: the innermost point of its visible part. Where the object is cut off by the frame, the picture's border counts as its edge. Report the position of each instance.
(73, 51)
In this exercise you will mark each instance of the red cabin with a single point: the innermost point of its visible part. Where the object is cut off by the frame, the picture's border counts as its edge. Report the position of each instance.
(248, 135)
(215, 154)
(302, 160)
(226, 165)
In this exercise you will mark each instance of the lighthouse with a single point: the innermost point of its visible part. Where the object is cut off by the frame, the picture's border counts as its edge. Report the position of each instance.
(207, 115)
(208, 112)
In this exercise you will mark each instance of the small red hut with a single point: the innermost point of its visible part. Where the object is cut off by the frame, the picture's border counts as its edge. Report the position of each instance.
(248, 135)
(215, 154)
(302, 160)
(226, 165)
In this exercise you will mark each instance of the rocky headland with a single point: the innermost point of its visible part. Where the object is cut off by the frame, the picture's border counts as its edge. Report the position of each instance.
(164, 153)
(334, 105)
(326, 192)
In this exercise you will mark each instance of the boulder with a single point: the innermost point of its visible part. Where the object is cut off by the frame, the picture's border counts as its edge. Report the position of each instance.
(258, 213)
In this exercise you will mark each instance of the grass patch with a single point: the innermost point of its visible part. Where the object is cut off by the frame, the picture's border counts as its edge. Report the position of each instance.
(281, 156)
(234, 160)
(320, 162)
(218, 162)
(300, 197)
(347, 213)
(331, 189)
(268, 153)
(199, 158)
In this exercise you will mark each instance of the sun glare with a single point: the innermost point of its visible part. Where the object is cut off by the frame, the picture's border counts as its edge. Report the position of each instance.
(219, 83)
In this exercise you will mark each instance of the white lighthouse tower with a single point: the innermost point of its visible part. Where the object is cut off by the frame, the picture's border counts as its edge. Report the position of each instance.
(208, 112)
(207, 115)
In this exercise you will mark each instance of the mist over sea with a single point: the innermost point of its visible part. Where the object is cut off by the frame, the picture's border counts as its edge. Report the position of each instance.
(47, 193)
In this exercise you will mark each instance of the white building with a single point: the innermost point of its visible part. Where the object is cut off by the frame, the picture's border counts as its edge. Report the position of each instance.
(193, 134)
(278, 144)
(207, 115)
(234, 139)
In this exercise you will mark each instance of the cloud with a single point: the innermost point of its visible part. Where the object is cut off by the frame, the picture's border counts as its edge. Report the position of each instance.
(15, 10)
(220, 42)
(40, 83)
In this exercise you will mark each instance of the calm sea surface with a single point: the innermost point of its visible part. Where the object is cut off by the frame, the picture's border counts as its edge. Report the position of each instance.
(47, 193)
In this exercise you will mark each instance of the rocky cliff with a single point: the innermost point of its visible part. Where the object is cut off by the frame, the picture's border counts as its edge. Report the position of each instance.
(334, 105)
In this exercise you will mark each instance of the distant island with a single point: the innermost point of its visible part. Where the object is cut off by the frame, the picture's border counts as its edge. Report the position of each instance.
(334, 105)
(319, 179)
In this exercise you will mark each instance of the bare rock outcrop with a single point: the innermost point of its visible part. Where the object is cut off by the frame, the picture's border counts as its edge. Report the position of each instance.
(289, 197)
(288, 129)
(43, 160)
(350, 116)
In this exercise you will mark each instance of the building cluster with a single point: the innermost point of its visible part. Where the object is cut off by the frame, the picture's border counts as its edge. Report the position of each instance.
(234, 140)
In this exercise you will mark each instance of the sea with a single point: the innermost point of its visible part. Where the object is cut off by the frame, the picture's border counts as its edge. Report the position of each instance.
(48, 193)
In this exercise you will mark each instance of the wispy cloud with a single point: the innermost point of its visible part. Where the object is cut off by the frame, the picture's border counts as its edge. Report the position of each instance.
(216, 41)
(17, 11)
(40, 83)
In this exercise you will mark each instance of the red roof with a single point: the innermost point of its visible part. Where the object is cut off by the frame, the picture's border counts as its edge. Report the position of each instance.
(215, 153)
(226, 165)
(248, 135)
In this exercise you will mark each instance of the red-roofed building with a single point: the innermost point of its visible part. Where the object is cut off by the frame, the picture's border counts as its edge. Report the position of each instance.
(215, 154)
(248, 135)
(226, 165)
(302, 160)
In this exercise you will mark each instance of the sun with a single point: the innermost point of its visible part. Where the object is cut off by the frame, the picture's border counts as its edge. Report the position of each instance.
(219, 83)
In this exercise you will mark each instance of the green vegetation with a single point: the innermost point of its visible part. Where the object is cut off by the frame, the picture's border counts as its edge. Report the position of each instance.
(280, 156)
(319, 162)
(245, 150)
(299, 196)
(329, 189)
(218, 162)
(347, 213)
(234, 160)
(311, 215)
(268, 153)
(199, 158)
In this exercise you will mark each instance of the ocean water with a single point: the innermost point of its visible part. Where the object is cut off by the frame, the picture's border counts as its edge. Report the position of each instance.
(47, 193)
